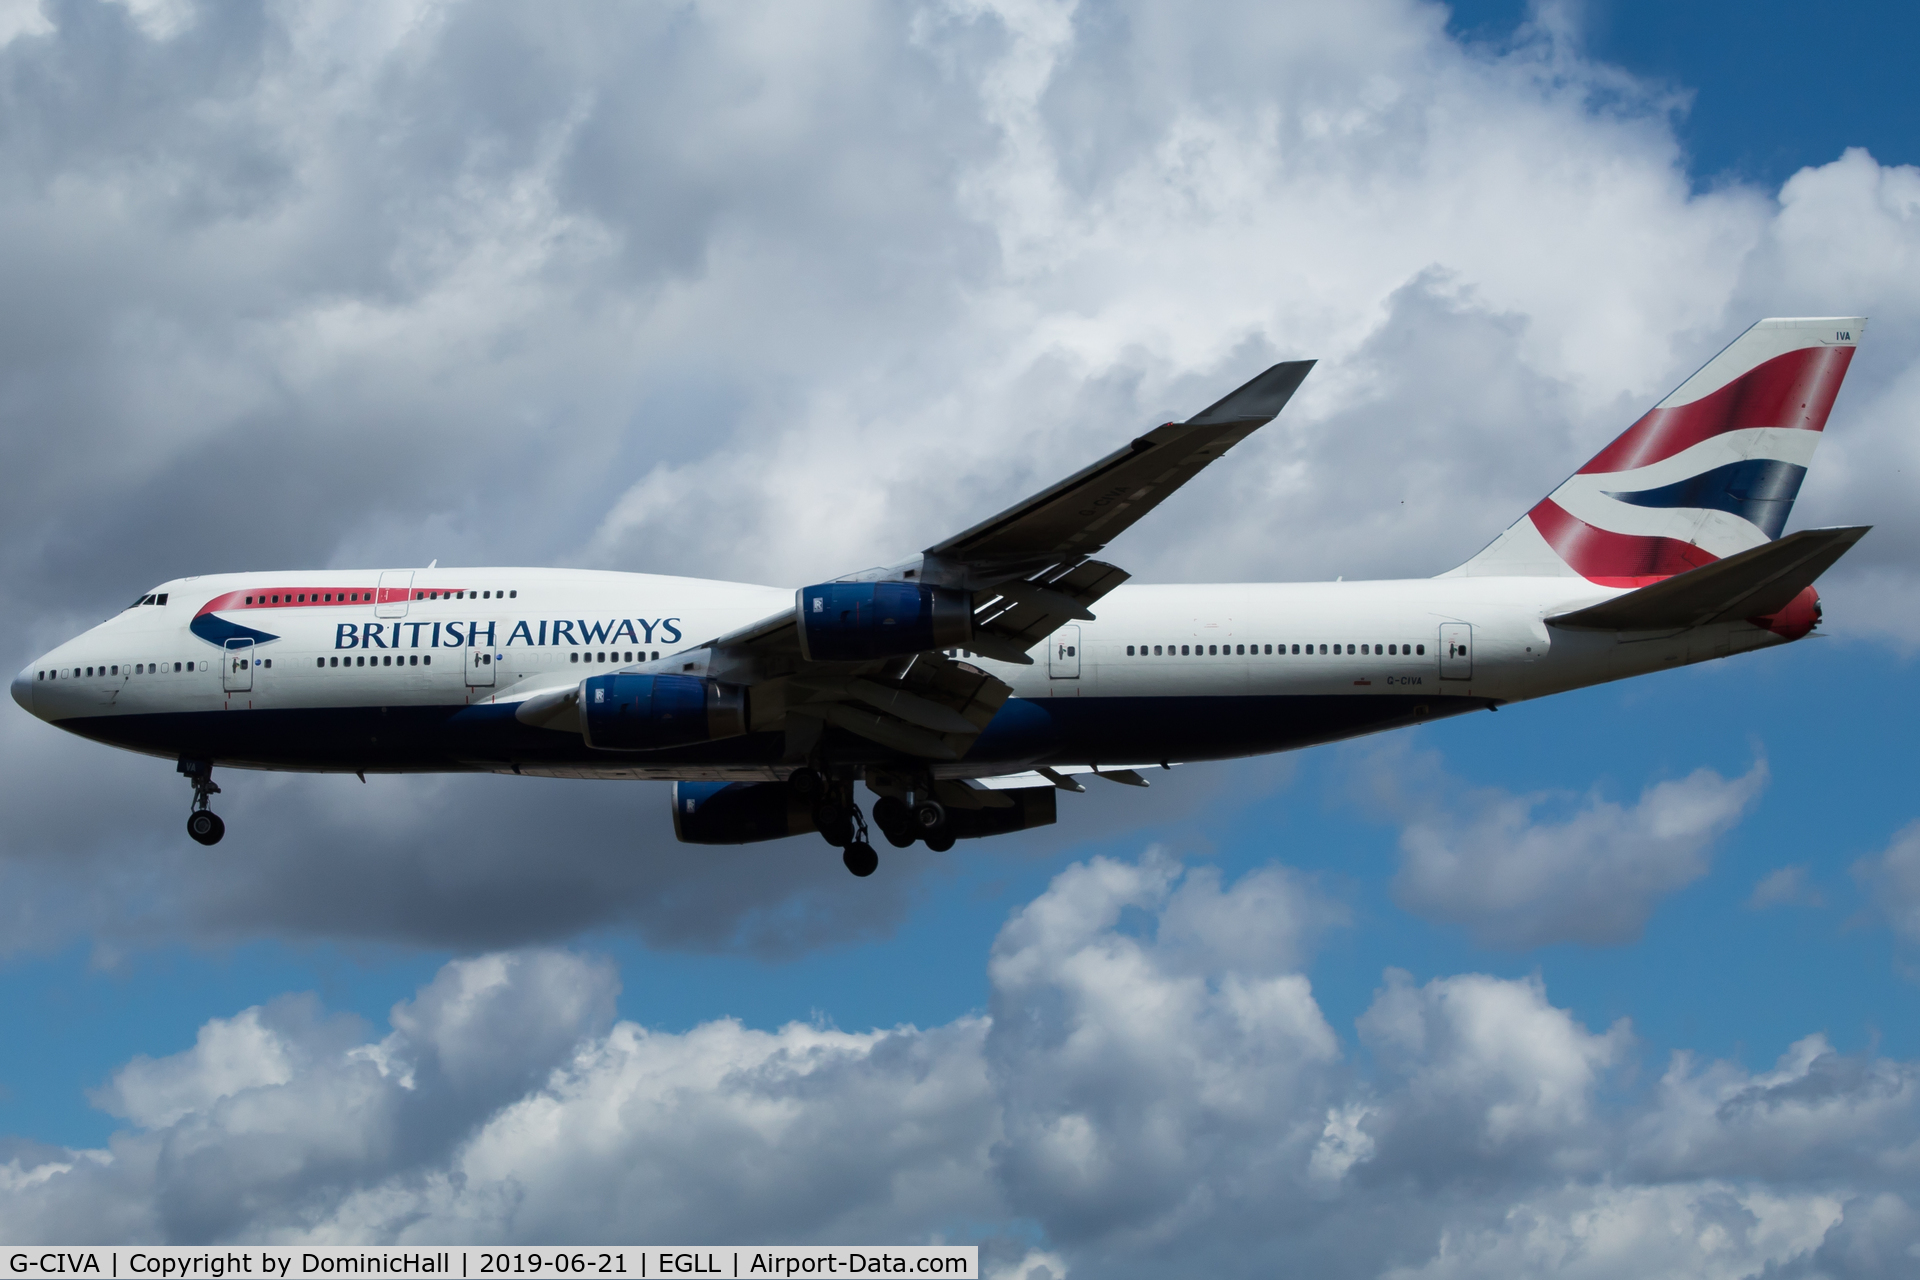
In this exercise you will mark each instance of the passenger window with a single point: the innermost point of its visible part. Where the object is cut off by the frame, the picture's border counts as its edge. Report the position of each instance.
(629, 655)
(319, 662)
(656, 655)
(427, 661)
(249, 599)
(513, 595)
(574, 657)
(1129, 651)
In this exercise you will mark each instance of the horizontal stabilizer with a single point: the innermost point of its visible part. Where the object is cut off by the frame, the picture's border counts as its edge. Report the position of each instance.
(1755, 583)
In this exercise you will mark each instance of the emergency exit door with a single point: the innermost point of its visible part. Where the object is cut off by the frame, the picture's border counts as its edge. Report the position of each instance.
(1063, 660)
(396, 589)
(479, 668)
(238, 676)
(1456, 651)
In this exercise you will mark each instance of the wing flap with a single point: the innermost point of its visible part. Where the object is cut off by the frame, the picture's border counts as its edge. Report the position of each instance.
(1752, 584)
(1020, 613)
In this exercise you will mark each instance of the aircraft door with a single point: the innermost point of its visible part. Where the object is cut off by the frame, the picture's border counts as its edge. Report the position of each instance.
(238, 676)
(396, 588)
(1456, 651)
(1063, 659)
(479, 668)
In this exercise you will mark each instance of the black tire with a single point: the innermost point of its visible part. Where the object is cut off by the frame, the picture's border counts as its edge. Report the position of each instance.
(940, 843)
(861, 859)
(895, 820)
(205, 826)
(835, 824)
(929, 816)
(805, 782)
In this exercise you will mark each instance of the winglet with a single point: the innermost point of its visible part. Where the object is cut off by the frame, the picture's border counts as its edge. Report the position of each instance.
(1260, 400)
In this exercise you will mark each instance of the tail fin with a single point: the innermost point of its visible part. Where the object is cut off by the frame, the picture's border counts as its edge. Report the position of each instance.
(1710, 471)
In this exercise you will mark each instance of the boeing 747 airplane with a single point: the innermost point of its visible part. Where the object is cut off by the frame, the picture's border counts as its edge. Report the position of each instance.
(967, 685)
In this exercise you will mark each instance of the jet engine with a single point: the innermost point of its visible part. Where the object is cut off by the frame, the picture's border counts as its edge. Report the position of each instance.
(625, 712)
(855, 621)
(738, 812)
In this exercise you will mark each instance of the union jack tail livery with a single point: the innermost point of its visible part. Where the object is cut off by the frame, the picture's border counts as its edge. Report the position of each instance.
(1710, 471)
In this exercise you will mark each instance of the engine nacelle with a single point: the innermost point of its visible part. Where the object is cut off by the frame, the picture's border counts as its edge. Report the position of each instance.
(738, 812)
(855, 621)
(625, 712)
(1032, 807)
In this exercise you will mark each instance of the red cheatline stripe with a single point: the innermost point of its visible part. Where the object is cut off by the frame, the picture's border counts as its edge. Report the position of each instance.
(263, 598)
(1794, 390)
(1613, 559)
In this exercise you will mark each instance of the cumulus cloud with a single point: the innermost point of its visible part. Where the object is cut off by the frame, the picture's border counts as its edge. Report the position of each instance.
(1134, 1099)
(1592, 872)
(664, 289)
(1145, 1090)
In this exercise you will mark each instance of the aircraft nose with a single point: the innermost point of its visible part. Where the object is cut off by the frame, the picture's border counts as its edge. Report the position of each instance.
(23, 689)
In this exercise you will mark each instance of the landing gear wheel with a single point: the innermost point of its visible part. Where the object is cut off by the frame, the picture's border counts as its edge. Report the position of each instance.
(895, 820)
(929, 816)
(805, 782)
(205, 826)
(835, 824)
(861, 859)
(940, 843)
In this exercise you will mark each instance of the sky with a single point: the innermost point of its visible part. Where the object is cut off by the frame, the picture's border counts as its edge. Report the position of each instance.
(1621, 983)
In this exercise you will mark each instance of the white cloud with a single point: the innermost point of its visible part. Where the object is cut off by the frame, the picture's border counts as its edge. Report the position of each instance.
(1707, 1230)
(1891, 880)
(1785, 886)
(1484, 858)
(1132, 1103)
(22, 18)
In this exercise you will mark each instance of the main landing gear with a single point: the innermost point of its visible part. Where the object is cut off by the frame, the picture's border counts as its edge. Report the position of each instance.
(902, 822)
(838, 818)
(203, 824)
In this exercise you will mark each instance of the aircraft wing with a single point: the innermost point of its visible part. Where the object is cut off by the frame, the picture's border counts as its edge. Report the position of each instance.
(1024, 573)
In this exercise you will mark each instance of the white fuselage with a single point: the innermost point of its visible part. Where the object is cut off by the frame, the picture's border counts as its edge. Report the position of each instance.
(444, 640)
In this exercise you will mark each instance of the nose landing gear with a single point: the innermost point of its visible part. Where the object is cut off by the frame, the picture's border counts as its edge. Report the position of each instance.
(203, 824)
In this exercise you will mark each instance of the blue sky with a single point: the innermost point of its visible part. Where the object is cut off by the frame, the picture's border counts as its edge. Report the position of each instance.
(666, 320)
(1772, 87)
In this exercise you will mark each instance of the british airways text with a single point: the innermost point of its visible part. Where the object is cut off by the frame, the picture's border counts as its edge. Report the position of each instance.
(534, 634)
